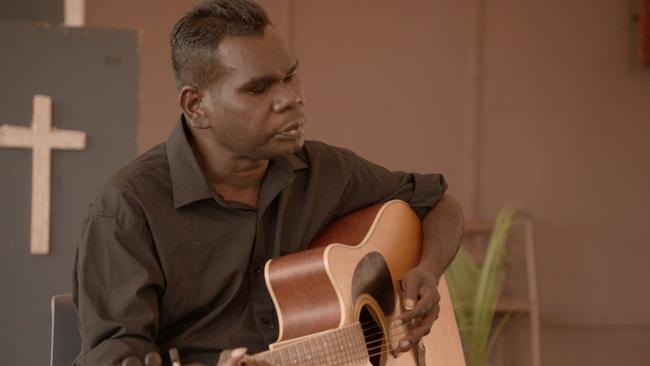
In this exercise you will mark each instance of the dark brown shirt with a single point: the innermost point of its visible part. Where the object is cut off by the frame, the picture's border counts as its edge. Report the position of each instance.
(164, 261)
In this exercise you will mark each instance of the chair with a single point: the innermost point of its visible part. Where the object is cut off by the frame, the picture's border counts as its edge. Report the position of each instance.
(66, 342)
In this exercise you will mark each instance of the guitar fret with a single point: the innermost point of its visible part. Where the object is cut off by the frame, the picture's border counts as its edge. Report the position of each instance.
(295, 356)
(327, 345)
(314, 352)
(273, 358)
(306, 355)
(335, 348)
(362, 347)
(302, 355)
(309, 352)
(319, 353)
(355, 344)
(283, 356)
(349, 346)
(358, 347)
(289, 349)
(331, 354)
(345, 349)
(351, 349)
(354, 347)
(341, 347)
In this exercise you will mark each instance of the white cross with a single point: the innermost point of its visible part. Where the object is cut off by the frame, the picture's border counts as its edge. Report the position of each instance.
(42, 138)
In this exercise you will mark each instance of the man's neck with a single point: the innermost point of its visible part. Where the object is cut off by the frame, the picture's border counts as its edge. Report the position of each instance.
(235, 178)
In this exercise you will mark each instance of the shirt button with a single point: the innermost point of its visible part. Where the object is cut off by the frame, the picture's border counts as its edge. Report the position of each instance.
(257, 270)
(265, 320)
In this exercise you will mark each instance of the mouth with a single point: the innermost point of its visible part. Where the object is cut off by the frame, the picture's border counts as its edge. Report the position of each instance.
(292, 131)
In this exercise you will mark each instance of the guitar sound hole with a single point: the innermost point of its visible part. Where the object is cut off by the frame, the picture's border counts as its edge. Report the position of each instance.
(374, 336)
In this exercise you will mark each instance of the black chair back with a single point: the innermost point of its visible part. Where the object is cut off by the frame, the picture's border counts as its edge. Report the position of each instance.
(66, 342)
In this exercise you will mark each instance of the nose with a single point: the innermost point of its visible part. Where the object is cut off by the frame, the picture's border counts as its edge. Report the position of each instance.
(288, 97)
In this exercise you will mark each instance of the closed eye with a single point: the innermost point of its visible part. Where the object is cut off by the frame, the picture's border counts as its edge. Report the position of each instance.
(260, 85)
(258, 89)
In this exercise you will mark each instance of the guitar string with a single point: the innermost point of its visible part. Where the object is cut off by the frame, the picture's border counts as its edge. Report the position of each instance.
(369, 350)
(381, 346)
(374, 325)
(378, 353)
(367, 322)
(309, 358)
(382, 339)
(395, 334)
(377, 326)
(381, 330)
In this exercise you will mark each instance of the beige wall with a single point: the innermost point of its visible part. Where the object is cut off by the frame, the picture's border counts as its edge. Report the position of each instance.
(566, 126)
(536, 102)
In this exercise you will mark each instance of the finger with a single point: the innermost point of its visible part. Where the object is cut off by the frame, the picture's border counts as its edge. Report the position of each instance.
(263, 363)
(415, 335)
(255, 362)
(231, 357)
(425, 305)
(409, 319)
(416, 328)
(410, 289)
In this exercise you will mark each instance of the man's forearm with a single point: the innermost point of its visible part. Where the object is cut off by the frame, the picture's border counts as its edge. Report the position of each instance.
(442, 230)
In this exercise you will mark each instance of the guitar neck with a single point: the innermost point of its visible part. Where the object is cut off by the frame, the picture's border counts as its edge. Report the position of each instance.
(344, 346)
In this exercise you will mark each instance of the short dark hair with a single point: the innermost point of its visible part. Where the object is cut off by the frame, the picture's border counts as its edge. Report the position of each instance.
(196, 36)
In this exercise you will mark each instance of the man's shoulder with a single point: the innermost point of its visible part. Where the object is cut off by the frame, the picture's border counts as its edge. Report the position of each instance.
(145, 174)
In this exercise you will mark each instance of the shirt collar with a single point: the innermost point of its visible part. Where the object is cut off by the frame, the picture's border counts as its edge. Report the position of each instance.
(189, 184)
(281, 172)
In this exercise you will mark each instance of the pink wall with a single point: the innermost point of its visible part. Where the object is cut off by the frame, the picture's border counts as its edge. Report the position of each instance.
(541, 103)
(154, 19)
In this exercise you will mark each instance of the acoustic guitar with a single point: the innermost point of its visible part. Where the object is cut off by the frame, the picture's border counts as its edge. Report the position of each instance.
(336, 301)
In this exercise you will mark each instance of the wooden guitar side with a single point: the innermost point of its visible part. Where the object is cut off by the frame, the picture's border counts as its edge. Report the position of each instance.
(313, 290)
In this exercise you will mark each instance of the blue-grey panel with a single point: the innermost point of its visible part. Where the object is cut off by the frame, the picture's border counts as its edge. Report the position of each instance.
(32, 10)
(92, 77)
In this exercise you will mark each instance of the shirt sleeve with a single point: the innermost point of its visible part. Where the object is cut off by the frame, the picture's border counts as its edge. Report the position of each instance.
(116, 285)
(368, 183)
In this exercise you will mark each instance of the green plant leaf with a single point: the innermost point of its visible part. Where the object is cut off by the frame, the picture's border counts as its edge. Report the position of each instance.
(475, 291)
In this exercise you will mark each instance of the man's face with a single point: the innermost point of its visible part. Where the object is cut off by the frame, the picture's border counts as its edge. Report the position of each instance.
(256, 109)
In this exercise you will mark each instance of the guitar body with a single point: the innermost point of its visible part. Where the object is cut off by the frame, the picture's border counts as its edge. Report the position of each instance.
(349, 280)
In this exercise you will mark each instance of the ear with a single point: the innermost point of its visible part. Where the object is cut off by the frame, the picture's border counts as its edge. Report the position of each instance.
(190, 100)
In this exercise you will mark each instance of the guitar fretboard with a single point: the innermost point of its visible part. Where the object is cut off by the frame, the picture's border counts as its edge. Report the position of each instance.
(339, 347)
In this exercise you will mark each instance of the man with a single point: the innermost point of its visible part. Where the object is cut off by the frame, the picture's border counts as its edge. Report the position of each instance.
(171, 252)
